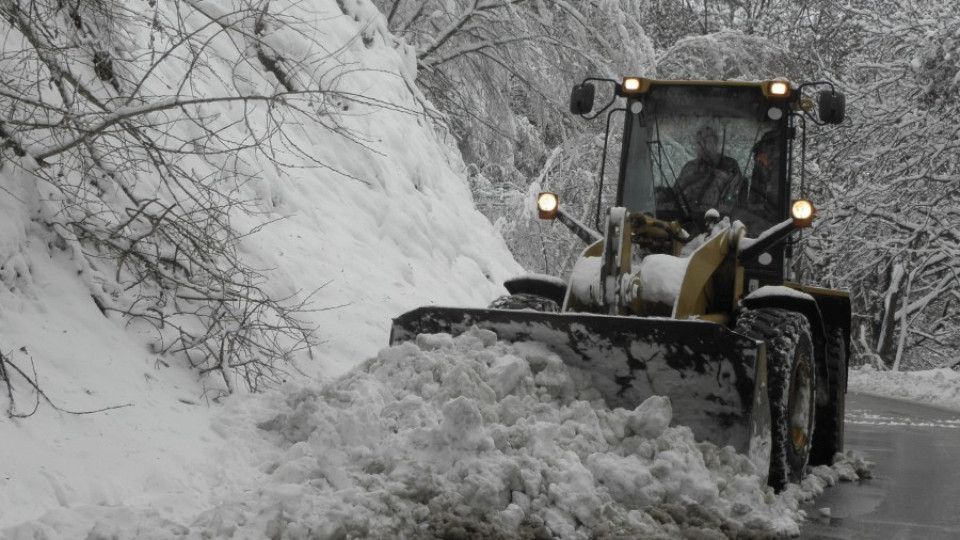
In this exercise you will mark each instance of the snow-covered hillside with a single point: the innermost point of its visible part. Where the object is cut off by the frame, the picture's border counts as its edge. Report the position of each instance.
(388, 225)
(446, 438)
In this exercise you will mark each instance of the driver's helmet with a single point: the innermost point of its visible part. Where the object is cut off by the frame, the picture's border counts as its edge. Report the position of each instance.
(706, 134)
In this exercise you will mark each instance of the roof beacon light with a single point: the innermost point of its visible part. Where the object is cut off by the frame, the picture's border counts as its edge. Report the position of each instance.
(631, 84)
(547, 205)
(779, 88)
(802, 212)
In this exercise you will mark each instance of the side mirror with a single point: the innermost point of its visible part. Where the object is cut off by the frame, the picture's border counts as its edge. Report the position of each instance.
(581, 98)
(832, 106)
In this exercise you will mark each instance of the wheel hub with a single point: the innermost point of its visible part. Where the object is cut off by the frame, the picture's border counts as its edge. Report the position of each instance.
(801, 392)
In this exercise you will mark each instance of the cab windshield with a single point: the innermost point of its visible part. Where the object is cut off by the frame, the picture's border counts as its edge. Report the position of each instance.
(690, 149)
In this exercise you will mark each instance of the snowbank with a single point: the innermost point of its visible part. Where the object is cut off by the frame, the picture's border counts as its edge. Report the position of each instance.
(463, 438)
(939, 387)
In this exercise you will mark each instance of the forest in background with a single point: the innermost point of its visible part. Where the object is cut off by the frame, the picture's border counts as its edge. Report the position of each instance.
(500, 71)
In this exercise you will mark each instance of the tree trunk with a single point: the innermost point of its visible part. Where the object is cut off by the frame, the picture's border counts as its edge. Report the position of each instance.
(886, 342)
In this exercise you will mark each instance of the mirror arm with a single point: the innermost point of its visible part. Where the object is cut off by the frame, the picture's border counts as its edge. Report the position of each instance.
(818, 83)
(749, 248)
(603, 164)
(585, 233)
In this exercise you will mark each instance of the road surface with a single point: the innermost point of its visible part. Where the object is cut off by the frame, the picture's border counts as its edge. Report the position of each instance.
(915, 489)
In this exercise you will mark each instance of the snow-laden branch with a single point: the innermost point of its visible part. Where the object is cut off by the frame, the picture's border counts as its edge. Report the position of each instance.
(450, 30)
(126, 113)
(899, 220)
(477, 47)
(575, 13)
(173, 102)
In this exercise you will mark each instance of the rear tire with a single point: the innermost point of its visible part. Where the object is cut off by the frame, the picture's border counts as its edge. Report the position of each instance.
(828, 439)
(526, 301)
(791, 388)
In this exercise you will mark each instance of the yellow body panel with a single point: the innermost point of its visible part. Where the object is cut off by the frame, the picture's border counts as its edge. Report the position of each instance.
(696, 291)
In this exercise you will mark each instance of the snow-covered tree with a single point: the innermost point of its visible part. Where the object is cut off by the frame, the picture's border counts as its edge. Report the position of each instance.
(500, 73)
(892, 177)
(140, 176)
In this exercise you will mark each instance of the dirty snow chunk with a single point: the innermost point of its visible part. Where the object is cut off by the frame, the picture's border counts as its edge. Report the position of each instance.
(477, 338)
(508, 373)
(852, 465)
(820, 477)
(430, 342)
(651, 417)
(628, 479)
(462, 426)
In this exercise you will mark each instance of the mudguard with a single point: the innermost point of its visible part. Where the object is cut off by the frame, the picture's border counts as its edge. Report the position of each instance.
(715, 378)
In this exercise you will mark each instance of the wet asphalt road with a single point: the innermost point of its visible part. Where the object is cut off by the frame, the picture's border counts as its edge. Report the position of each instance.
(915, 489)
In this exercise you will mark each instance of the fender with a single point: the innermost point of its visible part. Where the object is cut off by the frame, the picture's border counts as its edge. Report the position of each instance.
(824, 308)
(786, 297)
(836, 311)
(543, 285)
(834, 307)
(774, 296)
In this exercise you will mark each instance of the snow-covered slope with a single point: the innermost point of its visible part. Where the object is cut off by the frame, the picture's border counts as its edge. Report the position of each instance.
(387, 226)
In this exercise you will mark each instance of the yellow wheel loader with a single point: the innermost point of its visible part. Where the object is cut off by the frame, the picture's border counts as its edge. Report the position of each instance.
(683, 289)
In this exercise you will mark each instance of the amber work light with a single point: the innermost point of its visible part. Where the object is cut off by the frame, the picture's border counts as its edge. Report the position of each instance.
(547, 204)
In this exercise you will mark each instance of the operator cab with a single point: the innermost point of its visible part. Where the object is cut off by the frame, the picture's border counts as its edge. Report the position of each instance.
(689, 148)
(694, 146)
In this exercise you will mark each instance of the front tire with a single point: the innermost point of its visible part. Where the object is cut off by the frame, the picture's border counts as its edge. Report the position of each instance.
(526, 301)
(791, 388)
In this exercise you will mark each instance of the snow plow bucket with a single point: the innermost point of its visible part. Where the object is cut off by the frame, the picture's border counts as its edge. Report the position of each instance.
(716, 379)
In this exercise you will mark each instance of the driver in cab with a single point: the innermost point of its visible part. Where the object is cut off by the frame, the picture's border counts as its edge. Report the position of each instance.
(710, 179)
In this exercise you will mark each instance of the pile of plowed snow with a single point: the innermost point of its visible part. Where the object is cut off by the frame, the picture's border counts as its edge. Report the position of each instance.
(466, 438)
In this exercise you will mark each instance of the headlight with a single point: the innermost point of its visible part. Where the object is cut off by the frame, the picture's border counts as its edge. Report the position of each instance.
(631, 84)
(778, 89)
(802, 213)
(547, 204)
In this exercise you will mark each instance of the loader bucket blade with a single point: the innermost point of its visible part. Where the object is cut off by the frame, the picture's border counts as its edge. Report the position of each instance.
(714, 377)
